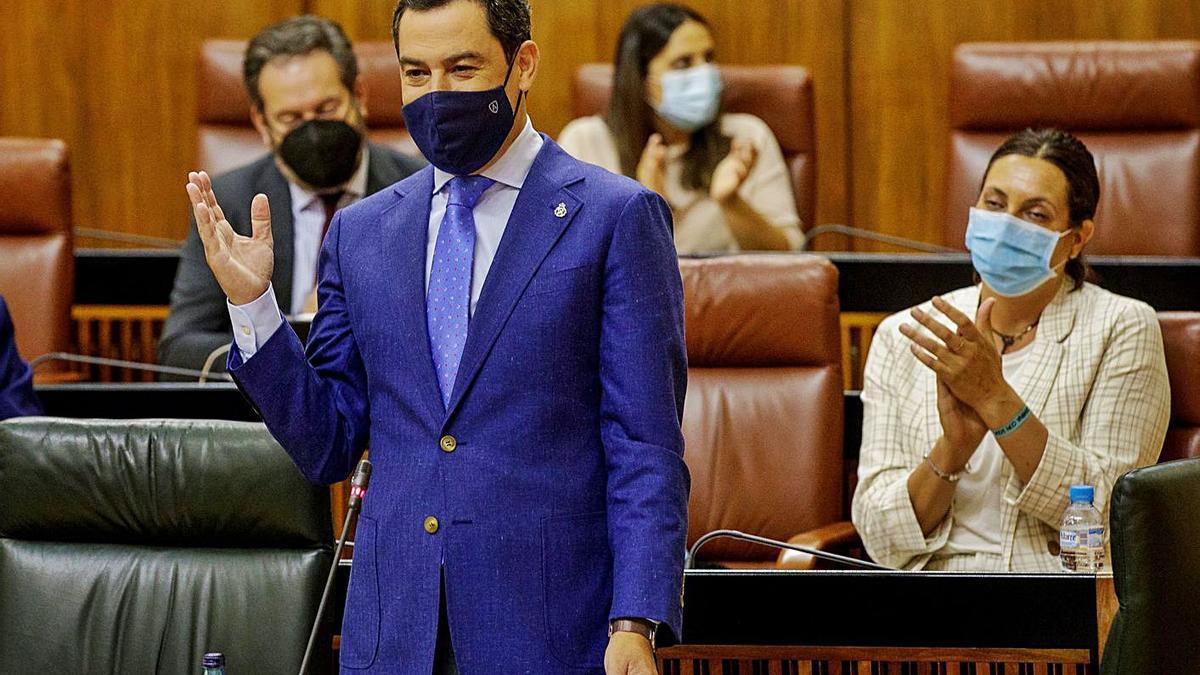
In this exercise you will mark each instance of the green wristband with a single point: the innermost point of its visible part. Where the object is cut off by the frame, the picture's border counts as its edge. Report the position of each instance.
(1014, 424)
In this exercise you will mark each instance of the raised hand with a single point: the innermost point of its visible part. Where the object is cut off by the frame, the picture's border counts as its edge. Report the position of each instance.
(242, 265)
(731, 172)
(652, 167)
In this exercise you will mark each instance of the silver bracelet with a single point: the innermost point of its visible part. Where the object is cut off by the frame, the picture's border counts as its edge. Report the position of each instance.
(948, 477)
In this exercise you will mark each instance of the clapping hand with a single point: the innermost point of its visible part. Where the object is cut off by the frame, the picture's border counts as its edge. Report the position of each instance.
(652, 167)
(732, 171)
(968, 367)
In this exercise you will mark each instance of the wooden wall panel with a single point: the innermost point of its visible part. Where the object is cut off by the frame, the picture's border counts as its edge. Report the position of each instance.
(116, 81)
(582, 31)
(899, 57)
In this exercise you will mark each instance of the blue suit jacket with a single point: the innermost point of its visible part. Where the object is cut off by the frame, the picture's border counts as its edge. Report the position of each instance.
(16, 380)
(565, 500)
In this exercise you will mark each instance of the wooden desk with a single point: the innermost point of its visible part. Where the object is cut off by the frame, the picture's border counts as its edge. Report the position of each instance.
(775, 622)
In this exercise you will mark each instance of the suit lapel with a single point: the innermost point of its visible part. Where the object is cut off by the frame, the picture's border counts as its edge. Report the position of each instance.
(543, 210)
(403, 238)
(272, 183)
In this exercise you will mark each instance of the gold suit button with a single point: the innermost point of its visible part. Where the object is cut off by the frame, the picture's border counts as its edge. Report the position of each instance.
(448, 443)
(431, 525)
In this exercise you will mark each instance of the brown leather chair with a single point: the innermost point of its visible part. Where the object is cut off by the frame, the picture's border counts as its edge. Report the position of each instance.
(226, 138)
(1181, 339)
(763, 418)
(37, 263)
(1135, 104)
(781, 96)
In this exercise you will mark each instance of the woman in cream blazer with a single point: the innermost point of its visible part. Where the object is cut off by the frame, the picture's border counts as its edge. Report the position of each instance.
(983, 407)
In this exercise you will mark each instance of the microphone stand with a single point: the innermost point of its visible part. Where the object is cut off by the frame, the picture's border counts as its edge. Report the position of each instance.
(358, 489)
(871, 235)
(775, 543)
(131, 365)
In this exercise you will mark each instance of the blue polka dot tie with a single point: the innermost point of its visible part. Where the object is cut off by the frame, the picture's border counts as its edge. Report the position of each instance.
(448, 301)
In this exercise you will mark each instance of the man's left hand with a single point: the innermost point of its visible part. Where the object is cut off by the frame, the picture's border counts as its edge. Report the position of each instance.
(629, 654)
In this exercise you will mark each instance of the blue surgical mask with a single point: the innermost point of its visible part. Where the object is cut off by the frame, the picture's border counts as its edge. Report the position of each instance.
(1011, 255)
(460, 131)
(691, 97)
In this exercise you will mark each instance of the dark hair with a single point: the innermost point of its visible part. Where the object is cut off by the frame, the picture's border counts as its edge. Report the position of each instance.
(296, 37)
(1072, 157)
(508, 20)
(630, 117)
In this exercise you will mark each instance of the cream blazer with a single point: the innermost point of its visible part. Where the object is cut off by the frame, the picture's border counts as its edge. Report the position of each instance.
(1097, 380)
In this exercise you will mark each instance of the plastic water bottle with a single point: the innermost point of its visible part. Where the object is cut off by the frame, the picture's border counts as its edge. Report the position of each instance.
(1081, 537)
(213, 663)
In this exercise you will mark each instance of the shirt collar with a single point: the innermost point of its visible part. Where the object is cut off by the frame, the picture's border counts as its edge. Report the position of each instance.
(512, 167)
(356, 188)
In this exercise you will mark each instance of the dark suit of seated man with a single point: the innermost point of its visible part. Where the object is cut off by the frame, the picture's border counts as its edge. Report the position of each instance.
(308, 105)
(16, 380)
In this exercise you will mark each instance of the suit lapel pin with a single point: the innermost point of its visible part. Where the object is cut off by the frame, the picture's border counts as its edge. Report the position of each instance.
(560, 211)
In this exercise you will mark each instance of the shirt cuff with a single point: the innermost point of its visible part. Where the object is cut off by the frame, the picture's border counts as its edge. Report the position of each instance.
(254, 322)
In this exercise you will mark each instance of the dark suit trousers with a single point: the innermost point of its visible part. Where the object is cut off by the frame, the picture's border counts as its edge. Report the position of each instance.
(444, 662)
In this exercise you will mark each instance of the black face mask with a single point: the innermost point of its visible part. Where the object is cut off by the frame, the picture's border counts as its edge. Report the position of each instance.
(322, 153)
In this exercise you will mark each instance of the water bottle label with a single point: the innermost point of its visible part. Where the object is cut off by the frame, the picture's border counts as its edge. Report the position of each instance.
(1095, 537)
(1068, 539)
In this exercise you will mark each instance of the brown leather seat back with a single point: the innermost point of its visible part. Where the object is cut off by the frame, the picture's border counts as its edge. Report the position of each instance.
(781, 96)
(227, 139)
(763, 418)
(37, 263)
(1135, 104)
(1181, 339)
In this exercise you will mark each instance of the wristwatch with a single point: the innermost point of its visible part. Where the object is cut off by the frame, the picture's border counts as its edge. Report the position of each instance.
(646, 629)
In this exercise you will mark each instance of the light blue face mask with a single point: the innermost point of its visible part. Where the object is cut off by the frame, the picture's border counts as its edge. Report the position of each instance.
(691, 97)
(1011, 255)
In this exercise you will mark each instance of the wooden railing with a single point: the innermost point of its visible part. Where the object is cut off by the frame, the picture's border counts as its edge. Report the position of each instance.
(126, 332)
(131, 333)
(739, 660)
(858, 328)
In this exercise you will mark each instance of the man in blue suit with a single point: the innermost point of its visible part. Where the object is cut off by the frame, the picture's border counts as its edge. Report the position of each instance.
(504, 329)
(16, 380)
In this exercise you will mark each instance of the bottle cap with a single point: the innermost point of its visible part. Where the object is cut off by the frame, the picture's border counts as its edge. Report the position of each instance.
(213, 660)
(1082, 493)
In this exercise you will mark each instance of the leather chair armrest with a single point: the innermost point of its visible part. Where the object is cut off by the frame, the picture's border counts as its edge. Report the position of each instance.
(835, 537)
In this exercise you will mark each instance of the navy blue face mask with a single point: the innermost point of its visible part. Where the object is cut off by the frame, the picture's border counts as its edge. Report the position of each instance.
(460, 131)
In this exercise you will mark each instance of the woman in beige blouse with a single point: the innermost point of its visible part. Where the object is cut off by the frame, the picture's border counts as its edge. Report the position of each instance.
(982, 408)
(723, 174)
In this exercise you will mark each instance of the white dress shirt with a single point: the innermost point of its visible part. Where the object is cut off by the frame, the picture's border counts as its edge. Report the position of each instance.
(308, 225)
(255, 322)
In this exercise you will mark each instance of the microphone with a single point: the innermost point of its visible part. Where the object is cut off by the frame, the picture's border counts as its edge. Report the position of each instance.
(132, 365)
(358, 490)
(869, 235)
(127, 238)
(690, 561)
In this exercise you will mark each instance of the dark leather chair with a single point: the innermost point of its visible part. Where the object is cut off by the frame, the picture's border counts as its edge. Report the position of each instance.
(1156, 570)
(781, 96)
(1181, 339)
(227, 139)
(763, 416)
(1135, 104)
(37, 259)
(135, 547)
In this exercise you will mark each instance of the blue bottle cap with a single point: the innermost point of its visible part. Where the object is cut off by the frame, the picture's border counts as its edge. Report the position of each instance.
(213, 660)
(1082, 493)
